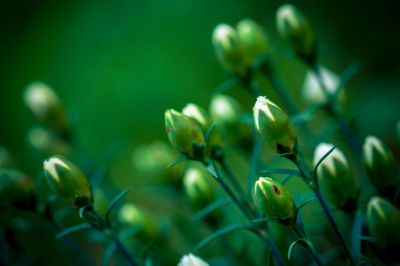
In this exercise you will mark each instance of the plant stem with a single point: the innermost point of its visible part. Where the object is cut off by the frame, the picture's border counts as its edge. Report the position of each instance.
(263, 235)
(122, 248)
(307, 244)
(232, 179)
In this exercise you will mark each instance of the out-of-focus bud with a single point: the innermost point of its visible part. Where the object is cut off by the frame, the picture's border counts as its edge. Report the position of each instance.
(192, 260)
(132, 216)
(274, 125)
(253, 38)
(379, 164)
(46, 106)
(383, 222)
(314, 94)
(46, 141)
(6, 160)
(295, 29)
(335, 177)
(16, 188)
(274, 200)
(67, 180)
(197, 189)
(152, 160)
(229, 50)
(200, 115)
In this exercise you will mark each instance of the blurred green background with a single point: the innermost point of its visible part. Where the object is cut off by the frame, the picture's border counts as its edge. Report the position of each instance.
(119, 64)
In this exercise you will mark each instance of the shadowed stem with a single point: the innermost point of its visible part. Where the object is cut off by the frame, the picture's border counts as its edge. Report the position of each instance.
(249, 216)
(122, 248)
(306, 243)
(232, 179)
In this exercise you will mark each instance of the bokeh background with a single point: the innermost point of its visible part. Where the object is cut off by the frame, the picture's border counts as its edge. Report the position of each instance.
(117, 65)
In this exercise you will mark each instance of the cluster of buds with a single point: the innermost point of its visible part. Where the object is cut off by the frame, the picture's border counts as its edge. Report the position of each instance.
(68, 181)
(335, 177)
(274, 200)
(16, 189)
(237, 48)
(297, 32)
(380, 165)
(274, 126)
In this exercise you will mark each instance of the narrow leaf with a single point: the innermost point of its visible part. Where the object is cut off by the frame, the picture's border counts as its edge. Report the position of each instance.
(177, 161)
(356, 236)
(226, 85)
(209, 131)
(261, 220)
(281, 171)
(314, 173)
(290, 250)
(210, 208)
(108, 253)
(254, 161)
(347, 74)
(222, 232)
(73, 229)
(285, 179)
(211, 168)
(113, 203)
(304, 204)
(368, 239)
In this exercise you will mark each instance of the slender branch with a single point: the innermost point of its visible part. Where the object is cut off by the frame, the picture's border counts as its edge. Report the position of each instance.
(122, 248)
(232, 179)
(307, 244)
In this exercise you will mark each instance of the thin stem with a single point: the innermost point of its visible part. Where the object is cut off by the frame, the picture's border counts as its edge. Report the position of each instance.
(232, 179)
(122, 248)
(307, 244)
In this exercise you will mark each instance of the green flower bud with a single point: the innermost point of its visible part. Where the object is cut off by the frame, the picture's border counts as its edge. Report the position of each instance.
(192, 260)
(16, 188)
(334, 176)
(132, 216)
(379, 163)
(197, 189)
(67, 180)
(383, 222)
(314, 94)
(200, 115)
(46, 141)
(229, 50)
(273, 125)
(183, 133)
(46, 106)
(295, 29)
(274, 200)
(6, 159)
(253, 38)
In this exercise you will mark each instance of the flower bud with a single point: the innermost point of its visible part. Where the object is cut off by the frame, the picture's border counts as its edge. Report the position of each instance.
(379, 164)
(228, 48)
(16, 188)
(274, 200)
(183, 133)
(6, 159)
(45, 141)
(334, 176)
(197, 189)
(132, 216)
(295, 29)
(314, 94)
(200, 115)
(383, 222)
(192, 260)
(273, 125)
(253, 38)
(67, 180)
(46, 106)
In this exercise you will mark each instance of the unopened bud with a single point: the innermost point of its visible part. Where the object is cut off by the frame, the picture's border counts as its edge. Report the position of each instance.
(197, 189)
(383, 222)
(274, 200)
(46, 106)
(295, 29)
(16, 189)
(184, 133)
(67, 180)
(379, 164)
(46, 141)
(229, 50)
(253, 38)
(334, 175)
(132, 216)
(192, 260)
(273, 125)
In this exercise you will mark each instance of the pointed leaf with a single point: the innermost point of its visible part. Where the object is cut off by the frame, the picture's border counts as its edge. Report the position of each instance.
(211, 168)
(210, 208)
(177, 161)
(314, 173)
(113, 203)
(226, 85)
(222, 232)
(347, 74)
(209, 131)
(261, 220)
(290, 250)
(368, 239)
(73, 229)
(304, 204)
(281, 171)
(356, 236)
(108, 253)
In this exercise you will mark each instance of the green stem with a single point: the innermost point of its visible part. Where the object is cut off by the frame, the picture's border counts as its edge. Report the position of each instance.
(122, 248)
(307, 244)
(263, 235)
(232, 179)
